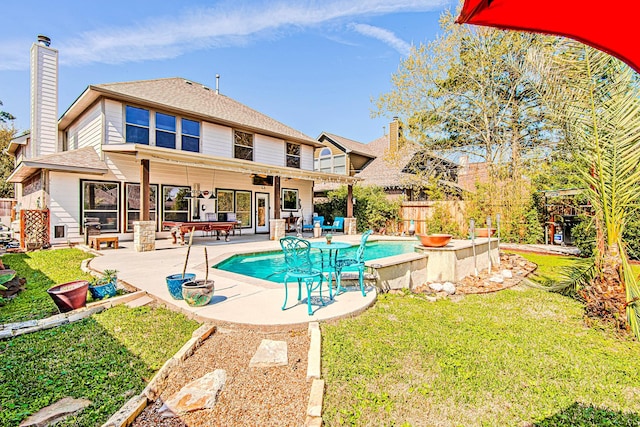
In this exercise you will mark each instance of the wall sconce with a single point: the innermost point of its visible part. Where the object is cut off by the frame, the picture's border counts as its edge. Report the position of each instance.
(354, 201)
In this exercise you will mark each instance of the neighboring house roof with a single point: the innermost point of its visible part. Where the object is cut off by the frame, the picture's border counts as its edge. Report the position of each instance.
(188, 98)
(348, 145)
(82, 160)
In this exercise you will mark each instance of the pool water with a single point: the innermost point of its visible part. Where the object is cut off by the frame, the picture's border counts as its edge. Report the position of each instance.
(270, 265)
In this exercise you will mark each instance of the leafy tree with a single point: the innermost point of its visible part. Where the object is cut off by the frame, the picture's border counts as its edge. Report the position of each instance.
(4, 116)
(601, 110)
(6, 162)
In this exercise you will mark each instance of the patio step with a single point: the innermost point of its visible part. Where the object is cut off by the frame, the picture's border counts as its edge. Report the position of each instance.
(139, 302)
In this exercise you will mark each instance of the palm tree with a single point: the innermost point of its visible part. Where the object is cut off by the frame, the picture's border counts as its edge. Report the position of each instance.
(600, 102)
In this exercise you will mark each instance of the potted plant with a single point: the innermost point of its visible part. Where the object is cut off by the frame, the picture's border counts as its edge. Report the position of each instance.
(175, 281)
(105, 285)
(329, 237)
(69, 296)
(197, 293)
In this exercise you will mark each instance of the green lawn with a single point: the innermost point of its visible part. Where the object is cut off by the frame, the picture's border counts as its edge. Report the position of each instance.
(508, 358)
(42, 269)
(107, 358)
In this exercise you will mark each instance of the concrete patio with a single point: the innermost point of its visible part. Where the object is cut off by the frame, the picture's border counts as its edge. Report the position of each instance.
(237, 299)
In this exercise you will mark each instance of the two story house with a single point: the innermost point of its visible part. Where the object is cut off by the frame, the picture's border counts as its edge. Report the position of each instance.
(155, 150)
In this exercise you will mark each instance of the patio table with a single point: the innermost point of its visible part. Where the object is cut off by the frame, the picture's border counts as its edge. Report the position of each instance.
(332, 250)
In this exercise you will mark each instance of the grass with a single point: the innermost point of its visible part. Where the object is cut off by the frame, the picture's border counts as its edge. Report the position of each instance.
(106, 358)
(509, 358)
(42, 269)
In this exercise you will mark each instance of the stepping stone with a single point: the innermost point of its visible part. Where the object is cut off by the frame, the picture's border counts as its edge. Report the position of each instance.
(56, 412)
(270, 353)
(139, 302)
(198, 394)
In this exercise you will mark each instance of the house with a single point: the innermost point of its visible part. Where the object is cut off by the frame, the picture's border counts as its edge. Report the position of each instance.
(389, 162)
(135, 154)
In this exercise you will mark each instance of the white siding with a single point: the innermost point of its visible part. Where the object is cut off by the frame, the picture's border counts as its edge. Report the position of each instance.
(268, 150)
(64, 205)
(216, 140)
(44, 100)
(86, 130)
(113, 122)
(306, 158)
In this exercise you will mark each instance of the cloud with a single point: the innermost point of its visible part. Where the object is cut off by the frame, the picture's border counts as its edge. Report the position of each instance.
(232, 23)
(385, 36)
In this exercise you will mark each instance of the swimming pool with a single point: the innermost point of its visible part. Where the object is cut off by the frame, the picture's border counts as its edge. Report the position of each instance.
(270, 265)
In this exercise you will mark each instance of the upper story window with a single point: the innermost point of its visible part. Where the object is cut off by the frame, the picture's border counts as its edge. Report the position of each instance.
(242, 145)
(190, 135)
(293, 155)
(137, 120)
(326, 162)
(165, 131)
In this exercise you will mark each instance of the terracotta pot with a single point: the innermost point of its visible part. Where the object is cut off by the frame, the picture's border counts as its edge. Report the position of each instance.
(197, 293)
(434, 240)
(484, 232)
(69, 296)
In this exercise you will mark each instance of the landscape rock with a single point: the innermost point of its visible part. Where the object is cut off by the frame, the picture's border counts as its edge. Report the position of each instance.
(56, 412)
(449, 288)
(270, 353)
(197, 395)
(497, 279)
(507, 274)
(436, 286)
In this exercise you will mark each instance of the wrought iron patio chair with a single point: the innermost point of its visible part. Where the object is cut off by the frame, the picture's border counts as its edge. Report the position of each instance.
(297, 257)
(357, 261)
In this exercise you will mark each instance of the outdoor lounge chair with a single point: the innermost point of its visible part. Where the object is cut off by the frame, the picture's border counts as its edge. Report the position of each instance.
(338, 225)
(299, 267)
(309, 227)
(357, 261)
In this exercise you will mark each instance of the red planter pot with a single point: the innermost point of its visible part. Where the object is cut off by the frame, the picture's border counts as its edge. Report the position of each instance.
(69, 296)
(484, 232)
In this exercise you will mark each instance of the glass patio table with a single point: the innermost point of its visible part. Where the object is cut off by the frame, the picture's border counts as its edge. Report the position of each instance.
(331, 250)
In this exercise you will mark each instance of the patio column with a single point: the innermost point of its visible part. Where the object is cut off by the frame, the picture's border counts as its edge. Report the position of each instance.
(144, 231)
(276, 225)
(350, 225)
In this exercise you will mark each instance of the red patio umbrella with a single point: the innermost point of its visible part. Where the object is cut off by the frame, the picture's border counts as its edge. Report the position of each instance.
(611, 26)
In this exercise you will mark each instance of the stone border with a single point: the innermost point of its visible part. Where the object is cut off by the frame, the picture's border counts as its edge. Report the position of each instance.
(313, 417)
(11, 330)
(127, 414)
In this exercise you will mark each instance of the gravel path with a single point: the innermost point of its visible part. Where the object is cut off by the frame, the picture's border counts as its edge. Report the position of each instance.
(275, 396)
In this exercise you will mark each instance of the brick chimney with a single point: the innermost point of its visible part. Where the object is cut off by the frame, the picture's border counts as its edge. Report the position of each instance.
(394, 135)
(44, 98)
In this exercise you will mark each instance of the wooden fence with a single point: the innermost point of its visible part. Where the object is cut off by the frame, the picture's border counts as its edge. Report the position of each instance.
(422, 212)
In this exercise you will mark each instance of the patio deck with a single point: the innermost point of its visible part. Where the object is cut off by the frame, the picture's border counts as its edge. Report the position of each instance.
(237, 299)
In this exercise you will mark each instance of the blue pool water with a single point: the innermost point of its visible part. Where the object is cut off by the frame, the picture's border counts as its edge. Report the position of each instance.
(270, 265)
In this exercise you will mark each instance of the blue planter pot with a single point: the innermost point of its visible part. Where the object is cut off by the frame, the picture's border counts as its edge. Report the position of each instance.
(175, 281)
(102, 291)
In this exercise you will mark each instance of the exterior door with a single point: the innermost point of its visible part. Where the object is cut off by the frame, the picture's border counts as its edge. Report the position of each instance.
(262, 212)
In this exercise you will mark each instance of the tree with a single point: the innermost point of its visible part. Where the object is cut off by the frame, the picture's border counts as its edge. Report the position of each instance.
(601, 112)
(6, 162)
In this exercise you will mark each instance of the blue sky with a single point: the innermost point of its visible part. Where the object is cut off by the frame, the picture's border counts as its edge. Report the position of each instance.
(313, 65)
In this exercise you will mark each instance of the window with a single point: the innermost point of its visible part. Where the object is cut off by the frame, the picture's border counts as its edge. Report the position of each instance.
(175, 203)
(137, 125)
(243, 145)
(133, 204)
(190, 136)
(293, 155)
(100, 199)
(340, 164)
(243, 207)
(225, 200)
(165, 131)
(289, 199)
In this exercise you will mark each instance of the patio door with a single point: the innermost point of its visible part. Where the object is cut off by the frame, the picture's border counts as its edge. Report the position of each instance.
(262, 212)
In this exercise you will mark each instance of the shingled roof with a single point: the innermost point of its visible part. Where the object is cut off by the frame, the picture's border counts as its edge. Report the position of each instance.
(83, 160)
(192, 99)
(349, 145)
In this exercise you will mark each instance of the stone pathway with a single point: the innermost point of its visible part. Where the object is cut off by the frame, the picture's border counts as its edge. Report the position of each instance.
(56, 412)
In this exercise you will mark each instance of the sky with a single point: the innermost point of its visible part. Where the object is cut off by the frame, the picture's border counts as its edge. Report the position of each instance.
(315, 66)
